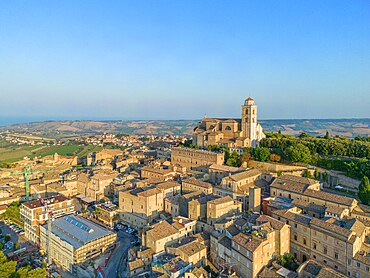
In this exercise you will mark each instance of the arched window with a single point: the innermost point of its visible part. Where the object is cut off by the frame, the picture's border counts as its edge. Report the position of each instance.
(212, 127)
(227, 128)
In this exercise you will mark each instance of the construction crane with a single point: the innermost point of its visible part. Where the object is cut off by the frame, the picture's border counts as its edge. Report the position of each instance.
(28, 171)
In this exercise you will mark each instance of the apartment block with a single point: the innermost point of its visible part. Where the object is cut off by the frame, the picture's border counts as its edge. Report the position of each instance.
(34, 214)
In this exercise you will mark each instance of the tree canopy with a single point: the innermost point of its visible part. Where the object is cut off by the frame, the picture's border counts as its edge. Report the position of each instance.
(8, 269)
(364, 191)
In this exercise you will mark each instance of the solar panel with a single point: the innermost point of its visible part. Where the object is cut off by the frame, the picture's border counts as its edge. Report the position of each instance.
(78, 224)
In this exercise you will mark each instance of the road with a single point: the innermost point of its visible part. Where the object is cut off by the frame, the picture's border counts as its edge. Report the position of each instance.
(22, 241)
(117, 265)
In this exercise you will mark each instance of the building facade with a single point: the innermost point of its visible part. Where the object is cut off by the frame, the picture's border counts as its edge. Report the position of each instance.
(75, 240)
(34, 214)
(195, 159)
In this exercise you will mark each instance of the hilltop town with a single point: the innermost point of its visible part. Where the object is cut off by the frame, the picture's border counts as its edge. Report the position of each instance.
(227, 201)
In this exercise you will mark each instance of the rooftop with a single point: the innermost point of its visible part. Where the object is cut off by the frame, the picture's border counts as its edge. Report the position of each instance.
(195, 150)
(335, 198)
(77, 231)
(245, 175)
(222, 200)
(293, 183)
(162, 230)
(248, 242)
(199, 183)
(224, 168)
(167, 185)
(49, 201)
(192, 248)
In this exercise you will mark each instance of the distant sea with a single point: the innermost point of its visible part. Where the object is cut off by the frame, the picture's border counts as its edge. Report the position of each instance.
(5, 120)
(10, 120)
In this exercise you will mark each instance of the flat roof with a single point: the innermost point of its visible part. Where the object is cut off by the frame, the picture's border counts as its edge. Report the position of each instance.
(76, 230)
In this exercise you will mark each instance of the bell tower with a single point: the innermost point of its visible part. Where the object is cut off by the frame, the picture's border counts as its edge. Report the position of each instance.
(249, 121)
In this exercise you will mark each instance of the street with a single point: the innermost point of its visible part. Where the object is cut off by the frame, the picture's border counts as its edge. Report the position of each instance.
(22, 241)
(117, 265)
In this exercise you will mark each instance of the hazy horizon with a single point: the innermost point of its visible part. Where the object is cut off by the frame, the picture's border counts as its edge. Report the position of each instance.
(23, 120)
(184, 59)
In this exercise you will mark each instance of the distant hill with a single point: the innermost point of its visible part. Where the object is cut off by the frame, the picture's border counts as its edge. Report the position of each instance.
(62, 129)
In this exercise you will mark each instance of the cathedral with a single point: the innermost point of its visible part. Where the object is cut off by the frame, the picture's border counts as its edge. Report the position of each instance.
(233, 133)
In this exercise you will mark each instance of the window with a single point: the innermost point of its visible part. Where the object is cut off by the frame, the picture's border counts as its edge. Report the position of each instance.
(349, 261)
(325, 261)
(227, 128)
(325, 251)
(304, 241)
(336, 255)
(295, 237)
(295, 225)
(314, 256)
(367, 269)
(314, 246)
(336, 267)
(358, 265)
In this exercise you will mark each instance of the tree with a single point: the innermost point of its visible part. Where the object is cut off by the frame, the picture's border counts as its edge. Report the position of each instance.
(246, 155)
(234, 160)
(327, 136)
(37, 273)
(307, 174)
(317, 174)
(364, 191)
(288, 261)
(298, 153)
(261, 154)
(275, 157)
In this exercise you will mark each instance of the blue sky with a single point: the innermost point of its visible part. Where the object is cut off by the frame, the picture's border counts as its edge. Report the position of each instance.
(183, 59)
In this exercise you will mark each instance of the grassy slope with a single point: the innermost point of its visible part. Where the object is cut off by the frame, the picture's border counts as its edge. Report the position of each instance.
(12, 152)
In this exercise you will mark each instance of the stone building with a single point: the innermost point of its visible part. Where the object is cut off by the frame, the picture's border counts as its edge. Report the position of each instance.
(140, 206)
(221, 208)
(237, 185)
(193, 185)
(163, 234)
(195, 159)
(339, 244)
(234, 133)
(308, 191)
(248, 250)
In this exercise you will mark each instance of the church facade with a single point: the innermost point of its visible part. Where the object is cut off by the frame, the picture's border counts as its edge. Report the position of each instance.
(233, 133)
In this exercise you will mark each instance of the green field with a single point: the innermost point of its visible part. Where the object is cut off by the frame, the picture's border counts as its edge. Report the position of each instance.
(12, 152)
